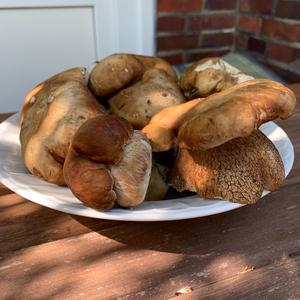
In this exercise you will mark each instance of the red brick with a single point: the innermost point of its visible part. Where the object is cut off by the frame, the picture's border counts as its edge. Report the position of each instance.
(190, 57)
(256, 6)
(249, 23)
(281, 52)
(245, 6)
(262, 6)
(288, 9)
(216, 21)
(220, 4)
(177, 42)
(256, 45)
(174, 59)
(170, 23)
(217, 39)
(281, 30)
(241, 41)
(178, 5)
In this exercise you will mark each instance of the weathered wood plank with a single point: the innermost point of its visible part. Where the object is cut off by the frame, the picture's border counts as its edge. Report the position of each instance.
(280, 280)
(24, 224)
(4, 190)
(154, 260)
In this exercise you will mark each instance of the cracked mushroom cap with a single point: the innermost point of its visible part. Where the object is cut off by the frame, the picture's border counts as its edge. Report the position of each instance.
(108, 162)
(238, 170)
(235, 112)
(140, 101)
(117, 71)
(51, 114)
(208, 76)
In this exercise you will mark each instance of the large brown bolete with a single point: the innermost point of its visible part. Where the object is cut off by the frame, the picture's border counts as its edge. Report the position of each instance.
(108, 162)
(235, 112)
(51, 114)
(221, 152)
(140, 101)
(117, 71)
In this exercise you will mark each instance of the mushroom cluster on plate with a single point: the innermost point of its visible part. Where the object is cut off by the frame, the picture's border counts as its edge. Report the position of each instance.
(126, 129)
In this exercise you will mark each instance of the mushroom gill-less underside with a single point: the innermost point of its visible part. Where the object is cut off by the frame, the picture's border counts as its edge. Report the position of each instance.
(238, 170)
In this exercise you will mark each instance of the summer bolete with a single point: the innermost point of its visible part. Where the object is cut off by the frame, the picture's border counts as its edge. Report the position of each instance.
(234, 112)
(221, 152)
(108, 162)
(140, 101)
(208, 76)
(51, 114)
(117, 71)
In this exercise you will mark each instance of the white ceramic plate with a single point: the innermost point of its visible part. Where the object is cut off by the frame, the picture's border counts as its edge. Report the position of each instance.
(16, 177)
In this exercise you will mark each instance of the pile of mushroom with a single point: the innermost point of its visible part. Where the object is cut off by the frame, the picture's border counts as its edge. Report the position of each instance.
(103, 131)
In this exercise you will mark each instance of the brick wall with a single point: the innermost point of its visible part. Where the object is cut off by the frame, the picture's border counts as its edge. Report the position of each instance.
(188, 30)
(270, 29)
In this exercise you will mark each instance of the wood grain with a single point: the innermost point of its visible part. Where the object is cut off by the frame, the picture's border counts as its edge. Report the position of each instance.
(280, 280)
(47, 254)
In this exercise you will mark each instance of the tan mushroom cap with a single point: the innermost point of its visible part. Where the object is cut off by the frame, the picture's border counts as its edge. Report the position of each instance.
(108, 162)
(238, 170)
(51, 114)
(140, 101)
(209, 75)
(235, 112)
(117, 71)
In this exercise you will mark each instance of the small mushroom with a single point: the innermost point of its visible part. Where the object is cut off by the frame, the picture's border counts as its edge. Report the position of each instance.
(208, 76)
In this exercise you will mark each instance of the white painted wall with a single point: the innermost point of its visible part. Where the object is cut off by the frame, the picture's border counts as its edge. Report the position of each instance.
(39, 38)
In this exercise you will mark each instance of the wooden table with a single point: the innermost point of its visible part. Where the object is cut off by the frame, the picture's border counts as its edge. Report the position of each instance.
(249, 253)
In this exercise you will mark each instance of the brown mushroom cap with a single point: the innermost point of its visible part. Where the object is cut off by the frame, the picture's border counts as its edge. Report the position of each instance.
(114, 73)
(208, 76)
(151, 62)
(139, 102)
(235, 112)
(51, 114)
(117, 71)
(238, 170)
(108, 162)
